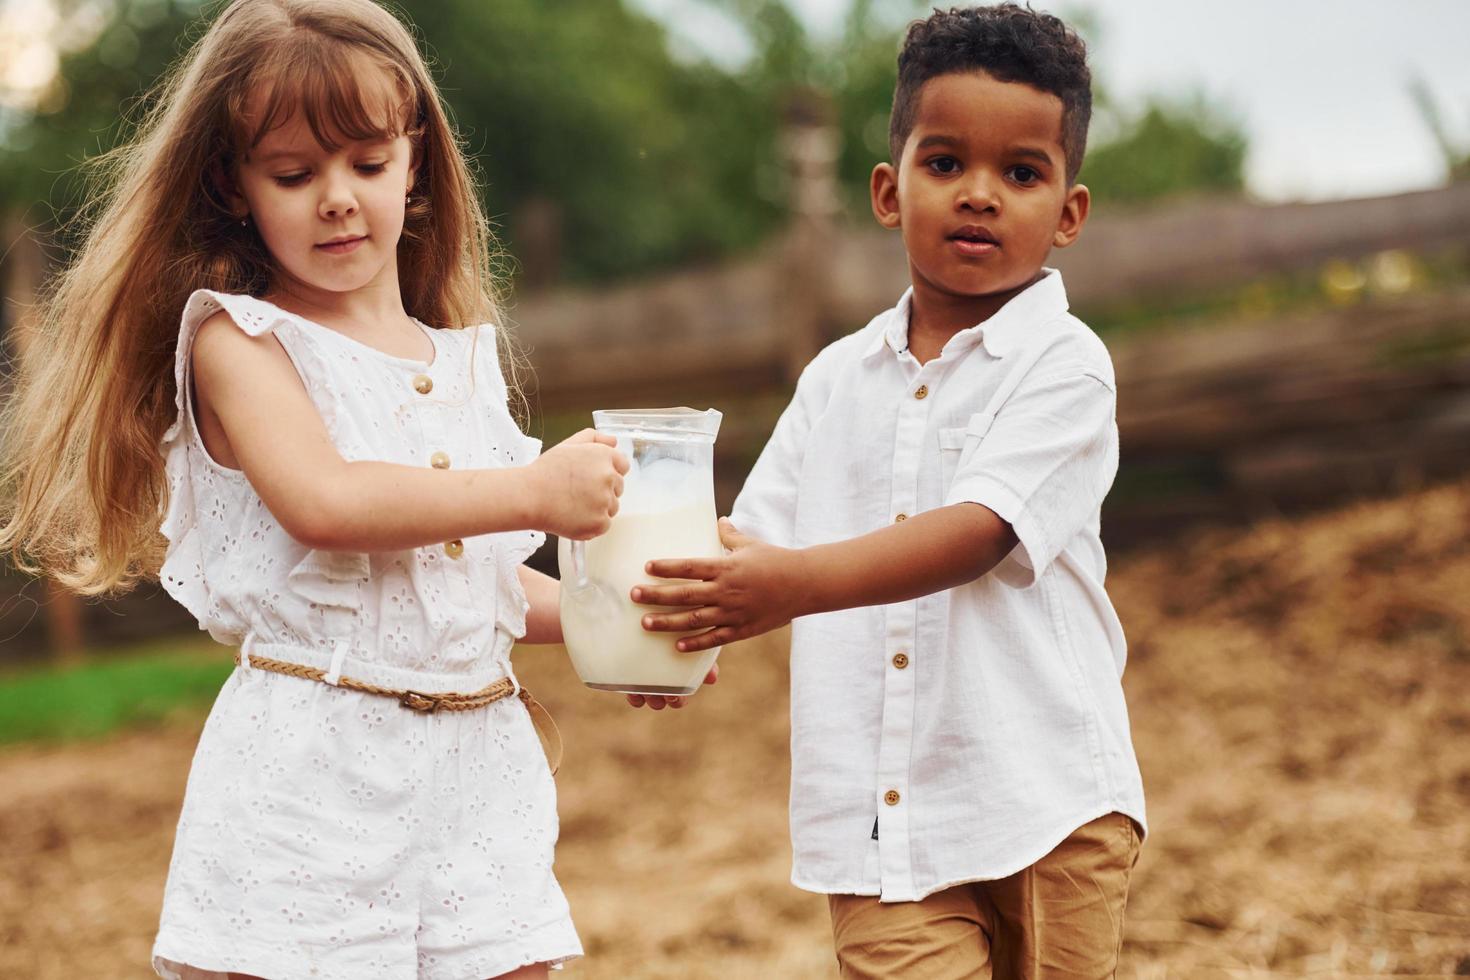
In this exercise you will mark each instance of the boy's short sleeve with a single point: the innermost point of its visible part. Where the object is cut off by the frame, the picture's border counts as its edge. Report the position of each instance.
(1043, 463)
(766, 506)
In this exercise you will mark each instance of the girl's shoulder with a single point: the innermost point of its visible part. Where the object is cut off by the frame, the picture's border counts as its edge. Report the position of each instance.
(250, 314)
(253, 315)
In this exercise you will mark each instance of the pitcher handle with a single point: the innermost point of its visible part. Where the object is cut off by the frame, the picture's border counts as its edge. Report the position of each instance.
(580, 580)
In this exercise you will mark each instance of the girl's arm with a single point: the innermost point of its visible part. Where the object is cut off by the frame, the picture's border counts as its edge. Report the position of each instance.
(543, 621)
(252, 401)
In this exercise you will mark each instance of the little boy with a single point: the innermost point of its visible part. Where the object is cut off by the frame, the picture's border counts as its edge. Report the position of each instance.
(964, 787)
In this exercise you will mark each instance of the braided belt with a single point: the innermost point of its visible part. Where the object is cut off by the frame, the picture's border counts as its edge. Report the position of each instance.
(430, 703)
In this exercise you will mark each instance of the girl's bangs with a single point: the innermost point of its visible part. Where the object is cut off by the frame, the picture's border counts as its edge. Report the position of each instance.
(343, 94)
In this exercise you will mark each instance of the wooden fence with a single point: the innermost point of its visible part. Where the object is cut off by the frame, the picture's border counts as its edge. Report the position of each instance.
(1231, 423)
(1217, 424)
(757, 320)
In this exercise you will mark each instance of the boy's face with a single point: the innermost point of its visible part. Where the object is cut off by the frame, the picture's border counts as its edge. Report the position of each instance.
(980, 193)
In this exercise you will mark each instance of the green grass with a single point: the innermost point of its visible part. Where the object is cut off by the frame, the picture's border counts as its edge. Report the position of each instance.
(110, 692)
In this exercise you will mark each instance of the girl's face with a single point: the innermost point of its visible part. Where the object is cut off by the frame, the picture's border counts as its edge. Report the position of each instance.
(331, 218)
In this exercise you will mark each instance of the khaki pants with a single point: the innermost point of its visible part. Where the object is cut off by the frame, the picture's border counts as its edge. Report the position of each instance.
(1060, 918)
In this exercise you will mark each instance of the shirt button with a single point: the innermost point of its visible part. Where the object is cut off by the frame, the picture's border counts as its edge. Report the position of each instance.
(922, 393)
(454, 548)
(440, 461)
(423, 384)
(891, 797)
(900, 660)
(900, 518)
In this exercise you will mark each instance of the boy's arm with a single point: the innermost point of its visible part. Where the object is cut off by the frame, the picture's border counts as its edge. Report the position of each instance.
(543, 625)
(1028, 482)
(760, 587)
(766, 505)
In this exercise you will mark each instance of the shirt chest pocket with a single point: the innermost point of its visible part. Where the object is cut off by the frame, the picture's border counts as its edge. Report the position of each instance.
(957, 446)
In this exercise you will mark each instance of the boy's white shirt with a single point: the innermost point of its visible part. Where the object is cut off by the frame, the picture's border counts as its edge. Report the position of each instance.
(1006, 729)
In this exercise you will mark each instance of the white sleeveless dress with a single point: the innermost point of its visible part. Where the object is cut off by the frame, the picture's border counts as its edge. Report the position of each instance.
(332, 834)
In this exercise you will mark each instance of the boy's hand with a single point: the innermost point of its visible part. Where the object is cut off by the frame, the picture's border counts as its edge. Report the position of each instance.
(577, 484)
(659, 702)
(754, 589)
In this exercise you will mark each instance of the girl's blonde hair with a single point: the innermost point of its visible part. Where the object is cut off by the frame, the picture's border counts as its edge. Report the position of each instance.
(82, 484)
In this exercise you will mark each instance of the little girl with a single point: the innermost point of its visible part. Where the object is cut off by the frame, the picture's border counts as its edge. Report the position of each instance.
(325, 445)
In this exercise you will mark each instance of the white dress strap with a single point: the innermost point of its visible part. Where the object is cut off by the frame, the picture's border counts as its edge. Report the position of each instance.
(334, 670)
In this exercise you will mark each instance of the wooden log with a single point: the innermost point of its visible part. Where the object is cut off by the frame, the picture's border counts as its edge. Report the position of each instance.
(1232, 386)
(749, 306)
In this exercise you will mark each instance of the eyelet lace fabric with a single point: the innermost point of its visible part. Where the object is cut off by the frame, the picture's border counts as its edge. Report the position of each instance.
(327, 833)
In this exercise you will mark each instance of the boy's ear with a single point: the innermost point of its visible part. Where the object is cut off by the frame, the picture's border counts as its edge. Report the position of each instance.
(883, 191)
(1074, 215)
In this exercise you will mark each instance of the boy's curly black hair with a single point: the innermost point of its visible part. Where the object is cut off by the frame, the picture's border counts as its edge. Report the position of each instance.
(1008, 42)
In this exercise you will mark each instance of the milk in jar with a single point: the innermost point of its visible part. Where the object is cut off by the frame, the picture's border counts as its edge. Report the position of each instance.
(667, 511)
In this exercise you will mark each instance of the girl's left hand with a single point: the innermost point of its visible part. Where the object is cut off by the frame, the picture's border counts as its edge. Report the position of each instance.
(659, 702)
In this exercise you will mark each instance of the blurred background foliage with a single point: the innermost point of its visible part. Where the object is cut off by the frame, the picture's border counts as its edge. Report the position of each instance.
(1166, 149)
(1324, 357)
(1454, 151)
(594, 127)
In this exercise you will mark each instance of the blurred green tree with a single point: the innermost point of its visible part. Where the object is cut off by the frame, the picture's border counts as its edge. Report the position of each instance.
(600, 151)
(1166, 150)
(1456, 154)
(93, 101)
(647, 161)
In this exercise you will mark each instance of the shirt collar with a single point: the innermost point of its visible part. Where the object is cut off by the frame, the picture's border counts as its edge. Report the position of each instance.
(1041, 301)
(893, 333)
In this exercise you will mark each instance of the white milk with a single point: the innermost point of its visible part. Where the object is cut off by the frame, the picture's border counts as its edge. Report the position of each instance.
(662, 515)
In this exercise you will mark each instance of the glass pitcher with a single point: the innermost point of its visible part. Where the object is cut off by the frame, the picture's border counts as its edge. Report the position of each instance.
(667, 511)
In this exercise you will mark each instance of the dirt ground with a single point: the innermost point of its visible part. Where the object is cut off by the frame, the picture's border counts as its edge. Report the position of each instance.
(1300, 696)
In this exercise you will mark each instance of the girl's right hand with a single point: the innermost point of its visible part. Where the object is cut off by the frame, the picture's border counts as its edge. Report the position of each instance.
(577, 484)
